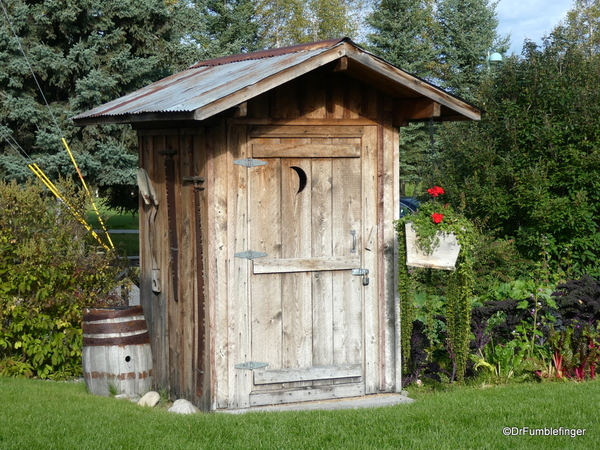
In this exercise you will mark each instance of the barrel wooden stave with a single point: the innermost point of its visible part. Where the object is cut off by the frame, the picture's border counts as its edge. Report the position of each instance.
(116, 355)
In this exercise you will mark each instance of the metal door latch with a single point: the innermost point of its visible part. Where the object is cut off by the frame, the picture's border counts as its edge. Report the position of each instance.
(362, 273)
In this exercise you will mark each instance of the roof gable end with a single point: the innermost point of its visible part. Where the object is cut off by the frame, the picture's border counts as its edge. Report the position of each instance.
(210, 87)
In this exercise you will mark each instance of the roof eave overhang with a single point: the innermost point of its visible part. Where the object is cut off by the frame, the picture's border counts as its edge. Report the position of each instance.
(134, 118)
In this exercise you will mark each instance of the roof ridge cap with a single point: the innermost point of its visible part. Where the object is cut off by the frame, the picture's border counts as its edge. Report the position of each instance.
(269, 53)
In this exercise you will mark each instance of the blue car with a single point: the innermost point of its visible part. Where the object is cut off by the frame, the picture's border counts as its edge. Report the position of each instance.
(408, 205)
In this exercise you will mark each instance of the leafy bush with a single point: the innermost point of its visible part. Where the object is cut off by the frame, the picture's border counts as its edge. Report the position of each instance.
(529, 170)
(554, 334)
(48, 275)
(578, 301)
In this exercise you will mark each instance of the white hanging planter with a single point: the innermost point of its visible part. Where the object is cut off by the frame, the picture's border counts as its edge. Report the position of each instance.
(443, 256)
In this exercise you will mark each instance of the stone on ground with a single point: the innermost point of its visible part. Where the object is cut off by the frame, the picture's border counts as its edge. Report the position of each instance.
(182, 406)
(150, 399)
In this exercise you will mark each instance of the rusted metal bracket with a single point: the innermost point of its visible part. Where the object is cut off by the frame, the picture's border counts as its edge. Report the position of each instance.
(196, 180)
(201, 305)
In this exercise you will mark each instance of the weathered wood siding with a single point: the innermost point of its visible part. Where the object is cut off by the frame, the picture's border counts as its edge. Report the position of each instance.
(173, 322)
(321, 105)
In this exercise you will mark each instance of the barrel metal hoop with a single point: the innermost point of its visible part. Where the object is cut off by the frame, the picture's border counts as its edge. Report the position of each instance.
(113, 327)
(135, 339)
(103, 314)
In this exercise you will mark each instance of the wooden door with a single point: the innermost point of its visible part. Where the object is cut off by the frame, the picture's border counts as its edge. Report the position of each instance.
(306, 306)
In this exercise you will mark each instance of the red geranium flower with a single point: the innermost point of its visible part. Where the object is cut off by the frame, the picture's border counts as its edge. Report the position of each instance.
(437, 217)
(435, 191)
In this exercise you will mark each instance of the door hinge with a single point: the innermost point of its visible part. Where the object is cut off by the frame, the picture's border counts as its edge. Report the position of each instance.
(250, 255)
(249, 162)
(251, 365)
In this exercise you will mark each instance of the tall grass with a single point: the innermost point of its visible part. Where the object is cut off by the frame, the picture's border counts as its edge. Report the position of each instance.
(53, 415)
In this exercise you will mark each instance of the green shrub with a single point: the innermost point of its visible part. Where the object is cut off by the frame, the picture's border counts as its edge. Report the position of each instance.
(49, 273)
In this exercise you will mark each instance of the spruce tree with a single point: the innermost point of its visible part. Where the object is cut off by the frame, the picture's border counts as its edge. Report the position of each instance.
(467, 34)
(402, 32)
(228, 27)
(83, 53)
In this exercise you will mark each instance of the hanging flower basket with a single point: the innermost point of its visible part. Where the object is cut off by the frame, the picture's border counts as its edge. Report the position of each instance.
(438, 237)
(433, 234)
(442, 255)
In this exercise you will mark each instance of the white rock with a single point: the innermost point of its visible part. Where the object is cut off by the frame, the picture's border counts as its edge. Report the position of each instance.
(151, 399)
(182, 406)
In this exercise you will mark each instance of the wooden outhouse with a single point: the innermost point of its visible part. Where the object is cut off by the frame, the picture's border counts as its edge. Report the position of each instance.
(270, 184)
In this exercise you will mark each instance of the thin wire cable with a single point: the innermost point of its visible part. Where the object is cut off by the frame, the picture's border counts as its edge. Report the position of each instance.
(52, 187)
(31, 69)
(64, 141)
(12, 142)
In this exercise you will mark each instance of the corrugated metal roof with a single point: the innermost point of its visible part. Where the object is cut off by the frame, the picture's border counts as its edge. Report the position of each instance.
(273, 52)
(209, 81)
(210, 87)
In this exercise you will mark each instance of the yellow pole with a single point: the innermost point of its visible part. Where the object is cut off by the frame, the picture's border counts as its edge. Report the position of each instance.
(64, 141)
(52, 187)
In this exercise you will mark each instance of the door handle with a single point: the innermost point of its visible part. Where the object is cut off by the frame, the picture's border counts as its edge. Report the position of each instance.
(353, 249)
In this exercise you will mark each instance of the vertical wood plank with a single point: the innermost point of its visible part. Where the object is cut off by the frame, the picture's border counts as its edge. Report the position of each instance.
(388, 192)
(219, 161)
(173, 307)
(369, 106)
(347, 309)
(240, 380)
(285, 103)
(352, 98)
(313, 99)
(391, 198)
(393, 267)
(322, 245)
(265, 236)
(146, 222)
(258, 107)
(200, 357)
(188, 274)
(159, 237)
(370, 259)
(296, 243)
(335, 97)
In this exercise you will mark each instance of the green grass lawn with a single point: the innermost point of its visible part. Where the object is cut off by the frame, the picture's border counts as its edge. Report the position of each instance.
(62, 415)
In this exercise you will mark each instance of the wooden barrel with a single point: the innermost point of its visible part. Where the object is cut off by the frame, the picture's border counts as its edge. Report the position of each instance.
(116, 352)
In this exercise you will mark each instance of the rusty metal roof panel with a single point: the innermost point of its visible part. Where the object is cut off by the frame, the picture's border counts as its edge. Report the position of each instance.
(207, 82)
(210, 87)
(272, 52)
